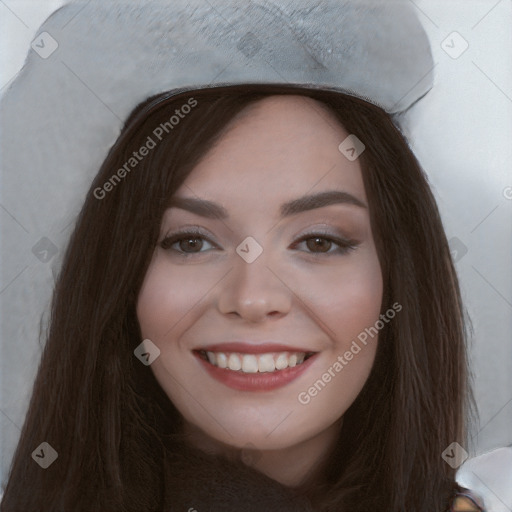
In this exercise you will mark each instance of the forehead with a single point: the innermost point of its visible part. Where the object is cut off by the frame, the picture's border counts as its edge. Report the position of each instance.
(276, 149)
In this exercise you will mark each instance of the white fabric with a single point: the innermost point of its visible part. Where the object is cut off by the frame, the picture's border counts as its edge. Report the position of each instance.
(490, 476)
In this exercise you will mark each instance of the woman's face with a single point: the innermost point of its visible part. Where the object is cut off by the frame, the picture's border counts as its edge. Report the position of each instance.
(268, 260)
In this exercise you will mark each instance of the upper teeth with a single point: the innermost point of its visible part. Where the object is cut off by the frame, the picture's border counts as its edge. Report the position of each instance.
(253, 363)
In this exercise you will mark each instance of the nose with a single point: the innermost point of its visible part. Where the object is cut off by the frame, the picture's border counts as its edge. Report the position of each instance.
(254, 292)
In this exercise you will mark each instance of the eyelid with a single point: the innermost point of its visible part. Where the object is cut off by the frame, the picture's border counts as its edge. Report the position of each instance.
(188, 230)
(325, 232)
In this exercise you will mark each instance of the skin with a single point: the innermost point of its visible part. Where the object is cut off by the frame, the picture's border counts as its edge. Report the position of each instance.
(277, 150)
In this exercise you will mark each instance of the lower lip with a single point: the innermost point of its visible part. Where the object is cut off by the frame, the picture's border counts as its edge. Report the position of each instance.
(255, 381)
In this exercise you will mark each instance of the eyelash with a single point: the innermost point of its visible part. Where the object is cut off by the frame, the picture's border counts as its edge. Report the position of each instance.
(170, 240)
(344, 245)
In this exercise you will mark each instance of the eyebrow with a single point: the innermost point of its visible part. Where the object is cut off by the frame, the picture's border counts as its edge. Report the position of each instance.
(212, 210)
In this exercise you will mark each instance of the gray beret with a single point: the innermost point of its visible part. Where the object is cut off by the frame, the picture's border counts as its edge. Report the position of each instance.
(93, 61)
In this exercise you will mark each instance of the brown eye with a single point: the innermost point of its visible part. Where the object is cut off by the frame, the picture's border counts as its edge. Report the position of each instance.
(318, 244)
(187, 243)
(191, 244)
(325, 244)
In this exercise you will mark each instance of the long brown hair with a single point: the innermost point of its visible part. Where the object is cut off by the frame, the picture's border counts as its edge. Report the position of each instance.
(107, 417)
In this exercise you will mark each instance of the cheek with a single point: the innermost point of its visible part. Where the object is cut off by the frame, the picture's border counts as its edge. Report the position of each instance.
(345, 298)
(354, 302)
(168, 294)
(347, 307)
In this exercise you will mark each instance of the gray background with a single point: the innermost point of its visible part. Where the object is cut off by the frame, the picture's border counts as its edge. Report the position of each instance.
(461, 132)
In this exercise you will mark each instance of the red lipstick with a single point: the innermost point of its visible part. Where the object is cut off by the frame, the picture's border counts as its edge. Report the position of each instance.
(267, 381)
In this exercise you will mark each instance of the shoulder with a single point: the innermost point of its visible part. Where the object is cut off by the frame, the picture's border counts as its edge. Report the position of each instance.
(489, 476)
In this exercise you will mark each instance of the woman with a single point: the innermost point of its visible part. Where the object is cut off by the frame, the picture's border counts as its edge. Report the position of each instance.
(372, 437)
(257, 310)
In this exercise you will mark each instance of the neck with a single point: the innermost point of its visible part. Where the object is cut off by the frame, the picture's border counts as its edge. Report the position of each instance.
(290, 466)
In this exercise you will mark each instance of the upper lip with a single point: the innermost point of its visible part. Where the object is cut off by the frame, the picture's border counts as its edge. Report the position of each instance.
(252, 347)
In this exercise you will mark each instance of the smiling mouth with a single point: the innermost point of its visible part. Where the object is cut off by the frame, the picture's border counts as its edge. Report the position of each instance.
(271, 362)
